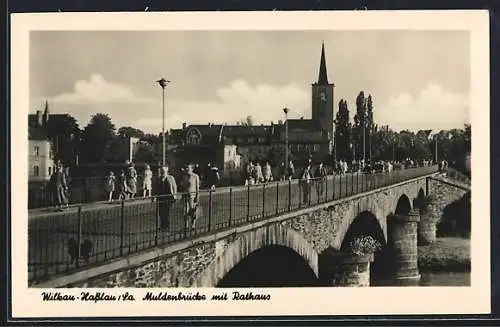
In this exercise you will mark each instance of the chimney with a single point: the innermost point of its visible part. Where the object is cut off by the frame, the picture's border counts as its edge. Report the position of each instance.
(183, 125)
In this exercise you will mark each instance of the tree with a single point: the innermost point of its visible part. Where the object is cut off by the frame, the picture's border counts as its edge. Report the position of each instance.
(360, 125)
(370, 126)
(128, 131)
(343, 132)
(64, 135)
(96, 137)
(145, 153)
(247, 121)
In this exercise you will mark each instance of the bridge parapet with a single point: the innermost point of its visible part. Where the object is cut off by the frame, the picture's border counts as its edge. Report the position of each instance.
(322, 221)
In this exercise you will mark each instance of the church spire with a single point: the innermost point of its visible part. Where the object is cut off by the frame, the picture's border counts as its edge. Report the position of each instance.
(323, 76)
(46, 112)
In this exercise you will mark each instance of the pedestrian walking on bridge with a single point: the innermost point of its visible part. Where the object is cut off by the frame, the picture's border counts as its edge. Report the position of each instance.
(167, 195)
(191, 187)
(59, 187)
(320, 179)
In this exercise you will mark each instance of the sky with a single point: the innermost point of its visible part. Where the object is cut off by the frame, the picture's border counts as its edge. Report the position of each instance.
(417, 79)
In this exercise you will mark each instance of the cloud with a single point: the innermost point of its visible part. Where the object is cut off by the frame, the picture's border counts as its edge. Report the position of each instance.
(233, 102)
(433, 108)
(97, 90)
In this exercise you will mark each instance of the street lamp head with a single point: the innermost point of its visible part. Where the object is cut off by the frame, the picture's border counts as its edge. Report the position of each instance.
(163, 82)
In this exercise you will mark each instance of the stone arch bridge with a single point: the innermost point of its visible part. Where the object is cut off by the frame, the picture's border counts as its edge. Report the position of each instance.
(300, 248)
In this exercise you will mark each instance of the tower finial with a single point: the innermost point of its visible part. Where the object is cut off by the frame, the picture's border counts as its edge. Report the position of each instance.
(46, 112)
(323, 76)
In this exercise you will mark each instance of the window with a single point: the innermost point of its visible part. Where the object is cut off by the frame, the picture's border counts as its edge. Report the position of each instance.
(239, 140)
(36, 170)
(193, 137)
(37, 151)
(50, 171)
(251, 140)
(262, 139)
(315, 147)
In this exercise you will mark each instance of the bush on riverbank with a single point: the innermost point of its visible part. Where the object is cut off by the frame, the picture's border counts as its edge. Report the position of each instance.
(447, 254)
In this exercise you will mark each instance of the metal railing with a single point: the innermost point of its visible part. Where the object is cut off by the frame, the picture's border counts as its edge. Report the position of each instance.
(87, 234)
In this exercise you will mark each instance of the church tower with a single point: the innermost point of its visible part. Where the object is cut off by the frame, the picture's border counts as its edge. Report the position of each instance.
(323, 103)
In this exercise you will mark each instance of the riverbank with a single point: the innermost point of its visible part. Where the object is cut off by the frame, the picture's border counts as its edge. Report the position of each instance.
(447, 254)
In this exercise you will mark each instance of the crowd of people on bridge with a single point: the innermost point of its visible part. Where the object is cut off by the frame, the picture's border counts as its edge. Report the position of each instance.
(125, 183)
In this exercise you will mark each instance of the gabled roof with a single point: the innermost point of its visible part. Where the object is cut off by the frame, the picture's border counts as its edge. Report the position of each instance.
(37, 134)
(210, 134)
(309, 125)
(244, 131)
(32, 118)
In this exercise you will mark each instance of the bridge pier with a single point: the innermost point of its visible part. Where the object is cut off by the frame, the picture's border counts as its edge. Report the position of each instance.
(402, 245)
(345, 270)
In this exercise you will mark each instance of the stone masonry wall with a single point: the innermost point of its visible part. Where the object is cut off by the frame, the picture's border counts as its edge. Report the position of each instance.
(177, 270)
(443, 195)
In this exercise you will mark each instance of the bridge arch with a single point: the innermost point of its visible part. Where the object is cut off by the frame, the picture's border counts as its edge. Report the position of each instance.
(275, 238)
(364, 224)
(365, 207)
(403, 205)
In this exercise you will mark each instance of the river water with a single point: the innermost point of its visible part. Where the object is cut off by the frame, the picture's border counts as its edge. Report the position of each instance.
(431, 279)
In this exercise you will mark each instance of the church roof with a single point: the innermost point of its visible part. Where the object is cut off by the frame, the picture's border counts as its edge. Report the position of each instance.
(37, 134)
(323, 75)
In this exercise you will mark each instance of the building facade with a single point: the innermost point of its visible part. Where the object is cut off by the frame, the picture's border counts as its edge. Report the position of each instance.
(231, 147)
(40, 155)
(40, 160)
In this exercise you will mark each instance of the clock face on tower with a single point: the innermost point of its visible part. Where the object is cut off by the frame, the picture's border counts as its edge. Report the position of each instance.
(322, 95)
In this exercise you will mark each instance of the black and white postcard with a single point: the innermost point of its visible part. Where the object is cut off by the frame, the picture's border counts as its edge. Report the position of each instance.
(250, 163)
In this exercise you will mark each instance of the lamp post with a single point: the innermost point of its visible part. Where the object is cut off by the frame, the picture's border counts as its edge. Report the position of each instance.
(286, 110)
(163, 83)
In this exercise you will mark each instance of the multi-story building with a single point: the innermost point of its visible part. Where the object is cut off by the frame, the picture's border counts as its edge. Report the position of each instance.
(40, 156)
(232, 146)
(40, 159)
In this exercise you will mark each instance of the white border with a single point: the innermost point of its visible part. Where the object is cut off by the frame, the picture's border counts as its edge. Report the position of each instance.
(344, 301)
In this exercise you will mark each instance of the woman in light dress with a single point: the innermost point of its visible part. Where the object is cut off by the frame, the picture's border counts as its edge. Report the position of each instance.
(147, 182)
(131, 181)
(109, 186)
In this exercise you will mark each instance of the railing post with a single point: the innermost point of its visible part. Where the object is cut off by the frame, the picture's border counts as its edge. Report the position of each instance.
(157, 218)
(248, 203)
(263, 200)
(289, 195)
(346, 184)
(340, 186)
(209, 227)
(277, 197)
(326, 189)
(122, 227)
(79, 237)
(333, 186)
(230, 206)
(352, 183)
